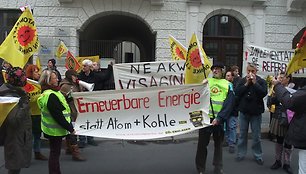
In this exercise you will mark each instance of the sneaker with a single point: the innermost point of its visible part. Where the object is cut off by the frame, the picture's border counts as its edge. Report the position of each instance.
(276, 165)
(287, 168)
(92, 142)
(231, 149)
(259, 162)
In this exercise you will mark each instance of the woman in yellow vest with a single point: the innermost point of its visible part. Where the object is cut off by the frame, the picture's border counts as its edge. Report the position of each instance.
(55, 120)
(33, 90)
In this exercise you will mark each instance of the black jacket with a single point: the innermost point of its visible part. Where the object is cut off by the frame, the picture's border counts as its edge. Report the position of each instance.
(251, 97)
(98, 78)
(296, 134)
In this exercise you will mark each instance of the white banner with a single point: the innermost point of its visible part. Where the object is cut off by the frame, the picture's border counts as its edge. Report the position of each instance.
(145, 113)
(270, 61)
(149, 74)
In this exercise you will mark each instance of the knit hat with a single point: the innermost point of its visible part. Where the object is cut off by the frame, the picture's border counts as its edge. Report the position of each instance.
(16, 77)
(69, 73)
(53, 61)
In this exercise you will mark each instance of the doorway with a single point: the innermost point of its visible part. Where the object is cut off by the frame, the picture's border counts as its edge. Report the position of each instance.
(223, 40)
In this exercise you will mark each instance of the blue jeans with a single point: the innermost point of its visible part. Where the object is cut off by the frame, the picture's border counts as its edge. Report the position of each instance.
(255, 122)
(231, 130)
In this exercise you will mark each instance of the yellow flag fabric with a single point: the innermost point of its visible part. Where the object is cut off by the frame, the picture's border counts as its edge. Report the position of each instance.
(6, 105)
(33, 90)
(197, 63)
(38, 64)
(72, 63)
(22, 42)
(178, 51)
(92, 58)
(298, 61)
(61, 49)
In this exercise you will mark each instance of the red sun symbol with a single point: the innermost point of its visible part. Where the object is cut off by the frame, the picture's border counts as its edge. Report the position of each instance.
(179, 53)
(28, 87)
(25, 35)
(195, 59)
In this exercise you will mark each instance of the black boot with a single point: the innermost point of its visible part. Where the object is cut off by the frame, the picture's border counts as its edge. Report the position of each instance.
(287, 168)
(276, 165)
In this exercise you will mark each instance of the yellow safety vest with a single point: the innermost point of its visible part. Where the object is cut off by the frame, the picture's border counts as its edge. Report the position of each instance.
(218, 93)
(48, 125)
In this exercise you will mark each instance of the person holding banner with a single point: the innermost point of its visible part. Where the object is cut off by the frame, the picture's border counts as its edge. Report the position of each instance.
(55, 120)
(34, 91)
(17, 125)
(70, 84)
(250, 90)
(296, 134)
(278, 127)
(222, 99)
(89, 76)
(108, 83)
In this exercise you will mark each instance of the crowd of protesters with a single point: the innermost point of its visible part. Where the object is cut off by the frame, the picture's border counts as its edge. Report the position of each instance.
(239, 102)
(50, 108)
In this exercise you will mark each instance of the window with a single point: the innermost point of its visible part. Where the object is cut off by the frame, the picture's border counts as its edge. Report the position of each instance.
(8, 19)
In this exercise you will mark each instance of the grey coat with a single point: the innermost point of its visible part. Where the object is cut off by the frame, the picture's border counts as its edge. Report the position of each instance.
(18, 130)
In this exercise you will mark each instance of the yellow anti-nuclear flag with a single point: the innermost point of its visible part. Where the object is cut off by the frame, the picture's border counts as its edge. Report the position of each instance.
(298, 61)
(197, 63)
(38, 64)
(6, 106)
(33, 89)
(178, 51)
(22, 42)
(61, 49)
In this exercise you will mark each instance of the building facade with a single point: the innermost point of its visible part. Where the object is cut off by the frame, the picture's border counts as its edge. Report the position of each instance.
(99, 27)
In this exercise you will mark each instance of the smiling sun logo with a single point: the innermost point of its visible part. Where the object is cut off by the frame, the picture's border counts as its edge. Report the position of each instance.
(195, 59)
(180, 53)
(25, 35)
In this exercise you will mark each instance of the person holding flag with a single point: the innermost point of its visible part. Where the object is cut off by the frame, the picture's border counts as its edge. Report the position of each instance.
(222, 99)
(33, 90)
(16, 130)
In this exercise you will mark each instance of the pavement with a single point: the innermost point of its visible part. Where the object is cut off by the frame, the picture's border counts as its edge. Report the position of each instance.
(170, 156)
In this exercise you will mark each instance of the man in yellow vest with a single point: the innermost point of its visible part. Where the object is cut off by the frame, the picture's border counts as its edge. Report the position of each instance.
(222, 99)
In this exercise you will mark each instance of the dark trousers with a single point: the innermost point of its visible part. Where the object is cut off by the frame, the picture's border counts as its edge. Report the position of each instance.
(55, 152)
(203, 141)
